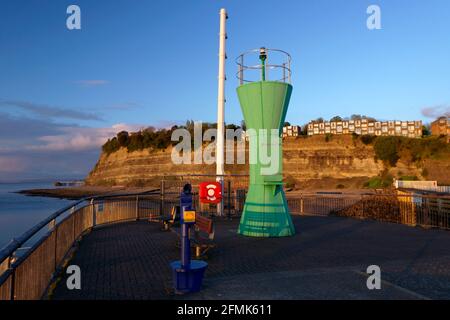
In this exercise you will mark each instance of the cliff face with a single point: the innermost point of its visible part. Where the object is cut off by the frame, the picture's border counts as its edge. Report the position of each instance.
(308, 163)
(340, 158)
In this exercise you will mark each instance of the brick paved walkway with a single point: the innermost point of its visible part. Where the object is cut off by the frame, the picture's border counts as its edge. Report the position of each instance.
(326, 259)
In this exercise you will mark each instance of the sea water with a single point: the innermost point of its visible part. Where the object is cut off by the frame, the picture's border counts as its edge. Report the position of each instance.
(19, 212)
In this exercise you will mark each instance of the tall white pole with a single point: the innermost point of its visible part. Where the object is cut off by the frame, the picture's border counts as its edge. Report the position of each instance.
(221, 106)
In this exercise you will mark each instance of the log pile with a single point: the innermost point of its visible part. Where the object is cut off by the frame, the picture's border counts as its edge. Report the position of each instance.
(377, 207)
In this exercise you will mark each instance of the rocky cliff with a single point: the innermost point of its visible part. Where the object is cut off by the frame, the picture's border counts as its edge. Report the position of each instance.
(313, 162)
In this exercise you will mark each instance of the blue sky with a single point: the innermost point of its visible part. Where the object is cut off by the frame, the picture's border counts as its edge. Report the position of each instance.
(139, 63)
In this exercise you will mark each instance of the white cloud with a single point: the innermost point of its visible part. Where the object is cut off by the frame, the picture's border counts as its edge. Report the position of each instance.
(436, 111)
(80, 138)
(48, 111)
(41, 148)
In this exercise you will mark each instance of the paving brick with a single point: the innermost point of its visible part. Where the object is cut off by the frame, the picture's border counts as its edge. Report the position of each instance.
(131, 261)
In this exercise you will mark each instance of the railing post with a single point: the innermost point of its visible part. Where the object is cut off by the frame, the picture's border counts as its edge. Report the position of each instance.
(241, 71)
(137, 207)
(55, 230)
(301, 205)
(11, 289)
(289, 71)
(229, 199)
(94, 222)
(362, 206)
(13, 282)
(161, 198)
(414, 213)
(72, 211)
(52, 225)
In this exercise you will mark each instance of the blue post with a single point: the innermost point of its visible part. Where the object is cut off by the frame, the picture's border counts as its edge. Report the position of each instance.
(185, 244)
(185, 204)
(187, 274)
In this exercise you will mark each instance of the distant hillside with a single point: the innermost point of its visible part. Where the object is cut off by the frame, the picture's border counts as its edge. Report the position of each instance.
(329, 162)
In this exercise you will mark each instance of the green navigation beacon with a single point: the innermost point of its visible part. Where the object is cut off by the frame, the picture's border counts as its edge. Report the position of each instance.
(264, 104)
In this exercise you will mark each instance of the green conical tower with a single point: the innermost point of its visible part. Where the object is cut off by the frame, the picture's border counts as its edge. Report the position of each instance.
(264, 106)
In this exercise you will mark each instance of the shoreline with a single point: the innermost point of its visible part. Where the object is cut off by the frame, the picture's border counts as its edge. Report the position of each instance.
(76, 193)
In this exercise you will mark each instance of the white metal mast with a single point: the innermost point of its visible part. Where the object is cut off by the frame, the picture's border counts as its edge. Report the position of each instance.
(221, 106)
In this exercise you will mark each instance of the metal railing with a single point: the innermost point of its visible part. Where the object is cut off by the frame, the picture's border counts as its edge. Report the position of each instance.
(27, 276)
(284, 67)
(319, 205)
(427, 211)
(411, 209)
(233, 192)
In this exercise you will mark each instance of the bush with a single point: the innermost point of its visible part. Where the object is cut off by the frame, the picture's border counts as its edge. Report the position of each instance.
(290, 182)
(151, 138)
(379, 182)
(426, 131)
(135, 142)
(122, 137)
(112, 145)
(390, 149)
(368, 139)
(386, 149)
(328, 137)
(336, 118)
(340, 186)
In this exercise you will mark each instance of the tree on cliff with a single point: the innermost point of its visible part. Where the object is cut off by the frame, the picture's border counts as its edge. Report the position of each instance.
(112, 145)
(386, 149)
(360, 117)
(122, 137)
(318, 120)
(135, 142)
(356, 117)
(336, 119)
(426, 130)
